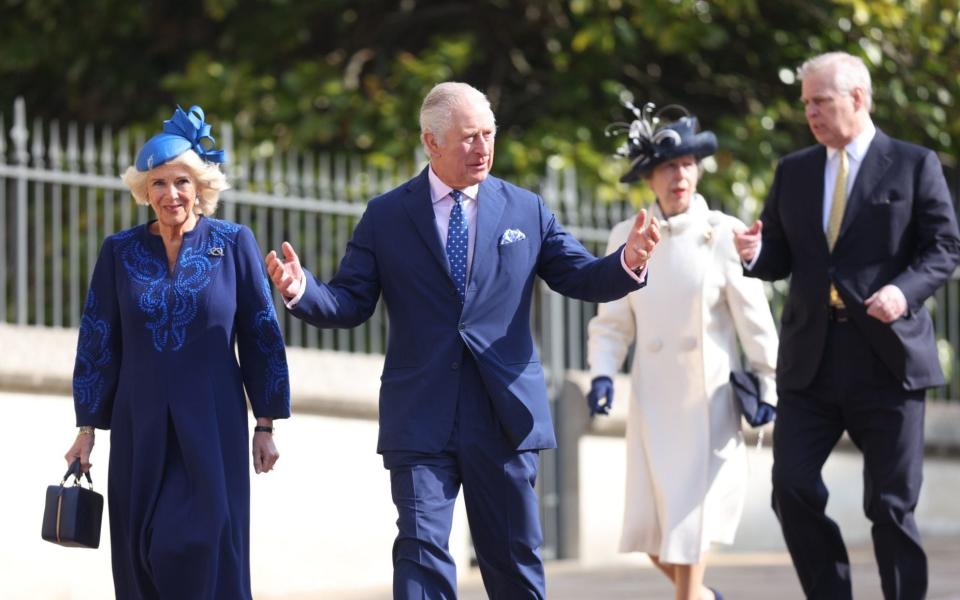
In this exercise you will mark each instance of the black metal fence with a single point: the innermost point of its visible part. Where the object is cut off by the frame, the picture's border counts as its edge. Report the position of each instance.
(60, 195)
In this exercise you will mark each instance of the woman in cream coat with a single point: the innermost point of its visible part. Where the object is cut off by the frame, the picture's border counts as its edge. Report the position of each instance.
(686, 461)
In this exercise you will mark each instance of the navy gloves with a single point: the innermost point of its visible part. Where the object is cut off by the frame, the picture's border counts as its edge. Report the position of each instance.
(765, 413)
(600, 401)
(600, 396)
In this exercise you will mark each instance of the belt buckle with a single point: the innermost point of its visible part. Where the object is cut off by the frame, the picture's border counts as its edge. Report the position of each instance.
(838, 310)
(835, 300)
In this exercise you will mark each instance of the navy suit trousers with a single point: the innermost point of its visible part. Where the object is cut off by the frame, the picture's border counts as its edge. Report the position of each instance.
(501, 503)
(854, 392)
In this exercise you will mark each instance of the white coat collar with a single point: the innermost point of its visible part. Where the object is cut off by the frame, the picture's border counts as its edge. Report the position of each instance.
(695, 213)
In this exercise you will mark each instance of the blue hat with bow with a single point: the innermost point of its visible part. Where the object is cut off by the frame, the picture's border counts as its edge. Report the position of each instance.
(651, 141)
(181, 132)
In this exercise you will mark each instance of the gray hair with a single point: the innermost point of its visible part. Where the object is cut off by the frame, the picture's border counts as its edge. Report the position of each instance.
(436, 112)
(208, 178)
(849, 72)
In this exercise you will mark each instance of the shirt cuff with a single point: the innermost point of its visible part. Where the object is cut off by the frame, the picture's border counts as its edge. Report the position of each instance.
(303, 288)
(749, 266)
(638, 277)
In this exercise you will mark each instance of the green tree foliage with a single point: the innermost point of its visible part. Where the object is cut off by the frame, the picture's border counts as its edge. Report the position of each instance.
(348, 75)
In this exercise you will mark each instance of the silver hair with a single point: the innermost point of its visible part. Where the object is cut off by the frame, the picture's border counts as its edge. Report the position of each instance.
(849, 72)
(208, 178)
(436, 112)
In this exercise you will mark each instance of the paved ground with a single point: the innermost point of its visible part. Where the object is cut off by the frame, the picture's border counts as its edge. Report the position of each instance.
(739, 576)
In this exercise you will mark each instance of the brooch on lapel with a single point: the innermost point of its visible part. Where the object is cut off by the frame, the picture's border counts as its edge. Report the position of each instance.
(215, 251)
(510, 236)
(707, 236)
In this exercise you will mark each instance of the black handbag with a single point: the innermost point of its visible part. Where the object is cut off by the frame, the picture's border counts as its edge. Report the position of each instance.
(746, 392)
(72, 514)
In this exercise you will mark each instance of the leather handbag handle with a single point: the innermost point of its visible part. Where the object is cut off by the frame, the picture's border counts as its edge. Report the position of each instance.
(74, 469)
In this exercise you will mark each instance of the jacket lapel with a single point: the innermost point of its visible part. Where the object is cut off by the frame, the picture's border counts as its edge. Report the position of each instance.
(420, 210)
(875, 163)
(490, 206)
(814, 191)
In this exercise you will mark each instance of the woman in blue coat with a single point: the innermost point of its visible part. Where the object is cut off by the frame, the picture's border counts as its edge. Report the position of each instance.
(178, 324)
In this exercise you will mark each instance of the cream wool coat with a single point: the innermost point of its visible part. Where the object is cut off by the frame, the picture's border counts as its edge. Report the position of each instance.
(686, 462)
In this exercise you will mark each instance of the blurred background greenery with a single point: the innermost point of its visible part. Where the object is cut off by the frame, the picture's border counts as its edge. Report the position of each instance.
(348, 75)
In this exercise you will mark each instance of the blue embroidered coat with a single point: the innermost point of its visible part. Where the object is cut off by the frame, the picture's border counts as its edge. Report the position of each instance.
(157, 364)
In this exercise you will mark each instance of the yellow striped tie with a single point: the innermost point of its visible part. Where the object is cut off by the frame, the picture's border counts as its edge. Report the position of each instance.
(839, 201)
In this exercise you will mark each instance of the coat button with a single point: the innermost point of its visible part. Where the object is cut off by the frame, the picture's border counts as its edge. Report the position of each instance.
(454, 366)
(688, 343)
(654, 345)
(462, 327)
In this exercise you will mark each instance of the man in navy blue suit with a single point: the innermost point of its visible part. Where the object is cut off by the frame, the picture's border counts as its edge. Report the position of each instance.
(864, 226)
(455, 253)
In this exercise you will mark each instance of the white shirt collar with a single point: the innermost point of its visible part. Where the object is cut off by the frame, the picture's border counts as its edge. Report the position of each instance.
(858, 146)
(439, 190)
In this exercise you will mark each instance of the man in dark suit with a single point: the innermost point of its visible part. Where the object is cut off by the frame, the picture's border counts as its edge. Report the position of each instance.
(864, 226)
(463, 401)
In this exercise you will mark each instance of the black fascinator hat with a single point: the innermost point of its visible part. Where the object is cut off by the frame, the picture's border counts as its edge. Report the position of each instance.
(651, 139)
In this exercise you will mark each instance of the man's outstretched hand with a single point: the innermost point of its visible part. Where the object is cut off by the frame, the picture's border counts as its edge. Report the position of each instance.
(643, 238)
(287, 274)
(747, 241)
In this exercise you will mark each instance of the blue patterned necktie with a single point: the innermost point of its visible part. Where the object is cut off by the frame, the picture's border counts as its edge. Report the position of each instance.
(457, 237)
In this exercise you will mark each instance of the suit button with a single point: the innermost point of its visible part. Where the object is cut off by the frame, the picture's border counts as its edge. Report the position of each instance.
(454, 366)
(462, 327)
(655, 344)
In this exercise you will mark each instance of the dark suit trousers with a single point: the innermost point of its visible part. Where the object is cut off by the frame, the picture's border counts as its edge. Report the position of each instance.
(502, 509)
(853, 392)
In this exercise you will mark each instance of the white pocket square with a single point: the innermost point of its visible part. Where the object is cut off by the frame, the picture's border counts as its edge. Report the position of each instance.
(510, 236)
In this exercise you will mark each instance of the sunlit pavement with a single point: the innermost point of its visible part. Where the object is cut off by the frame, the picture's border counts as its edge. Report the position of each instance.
(740, 576)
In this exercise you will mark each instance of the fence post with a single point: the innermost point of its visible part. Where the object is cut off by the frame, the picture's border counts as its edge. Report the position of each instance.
(551, 475)
(3, 224)
(40, 261)
(20, 134)
(573, 422)
(234, 176)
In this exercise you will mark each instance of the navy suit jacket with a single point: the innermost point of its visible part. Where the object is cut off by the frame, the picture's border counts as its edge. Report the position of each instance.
(899, 228)
(396, 251)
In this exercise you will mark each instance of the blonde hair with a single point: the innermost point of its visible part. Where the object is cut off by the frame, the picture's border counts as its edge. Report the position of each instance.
(436, 112)
(208, 178)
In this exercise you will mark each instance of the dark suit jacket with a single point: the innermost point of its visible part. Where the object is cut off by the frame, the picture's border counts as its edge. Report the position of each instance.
(396, 250)
(899, 228)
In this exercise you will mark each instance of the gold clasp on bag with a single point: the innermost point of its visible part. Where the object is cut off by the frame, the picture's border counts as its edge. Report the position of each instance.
(59, 507)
